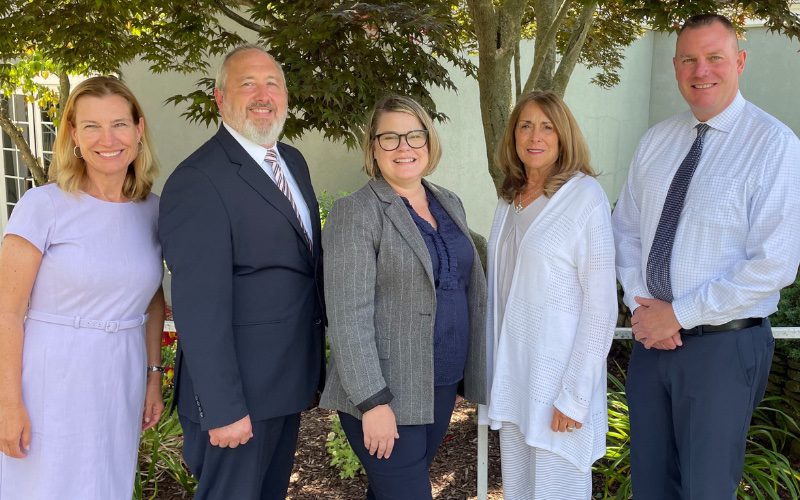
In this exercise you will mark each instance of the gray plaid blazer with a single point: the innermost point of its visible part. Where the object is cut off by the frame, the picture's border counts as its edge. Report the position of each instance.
(381, 305)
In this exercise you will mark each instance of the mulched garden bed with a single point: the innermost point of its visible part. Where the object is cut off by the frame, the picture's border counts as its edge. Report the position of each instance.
(453, 473)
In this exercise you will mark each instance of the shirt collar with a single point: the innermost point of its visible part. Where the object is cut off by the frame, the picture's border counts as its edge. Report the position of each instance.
(726, 120)
(256, 151)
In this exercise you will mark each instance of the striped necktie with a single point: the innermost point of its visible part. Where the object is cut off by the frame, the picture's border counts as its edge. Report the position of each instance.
(659, 279)
(280, 180)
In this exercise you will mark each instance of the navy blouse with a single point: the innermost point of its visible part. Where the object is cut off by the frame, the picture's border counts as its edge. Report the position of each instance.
(452, 258)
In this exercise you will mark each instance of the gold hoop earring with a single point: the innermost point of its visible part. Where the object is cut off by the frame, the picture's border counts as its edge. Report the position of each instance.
(75, 152)
(141, 146)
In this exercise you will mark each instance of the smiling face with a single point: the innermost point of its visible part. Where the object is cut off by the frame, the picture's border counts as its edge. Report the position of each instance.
(536, 141)
(404, 166)
(106, 134)
(707, 67)
(254, 101)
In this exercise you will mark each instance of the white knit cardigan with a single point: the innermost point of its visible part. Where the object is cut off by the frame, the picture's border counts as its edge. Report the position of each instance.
(550, 348)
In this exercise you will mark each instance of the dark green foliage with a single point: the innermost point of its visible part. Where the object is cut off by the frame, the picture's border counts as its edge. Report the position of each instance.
(768, 473)
(341, 57)
(789, 306)
(788, 314)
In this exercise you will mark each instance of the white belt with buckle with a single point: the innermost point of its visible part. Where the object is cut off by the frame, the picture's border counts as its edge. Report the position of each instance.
(108, 326)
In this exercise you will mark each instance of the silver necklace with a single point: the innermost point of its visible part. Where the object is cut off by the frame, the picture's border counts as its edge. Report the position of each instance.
(518, 206)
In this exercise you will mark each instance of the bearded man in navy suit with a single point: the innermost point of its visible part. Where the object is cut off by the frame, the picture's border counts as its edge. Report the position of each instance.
(240, 230)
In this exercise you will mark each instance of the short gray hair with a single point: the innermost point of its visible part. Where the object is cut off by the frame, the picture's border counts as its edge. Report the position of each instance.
(222, 72)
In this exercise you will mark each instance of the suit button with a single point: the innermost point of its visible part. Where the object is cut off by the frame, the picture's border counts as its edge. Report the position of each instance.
(317, 322)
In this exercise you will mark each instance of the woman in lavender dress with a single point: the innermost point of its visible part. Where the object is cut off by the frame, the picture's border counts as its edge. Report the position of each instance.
(81, 308)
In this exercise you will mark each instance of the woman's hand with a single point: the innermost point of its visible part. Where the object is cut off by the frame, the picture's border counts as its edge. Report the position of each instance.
(153, 401)
(15, 430)
(562, 423)
(380, 431)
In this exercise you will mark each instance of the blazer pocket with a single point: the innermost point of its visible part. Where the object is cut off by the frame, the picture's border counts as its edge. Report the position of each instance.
(384, 347)
(259, 322)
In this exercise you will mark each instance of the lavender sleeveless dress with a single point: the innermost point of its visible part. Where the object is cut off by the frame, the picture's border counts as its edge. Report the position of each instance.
(83, 383)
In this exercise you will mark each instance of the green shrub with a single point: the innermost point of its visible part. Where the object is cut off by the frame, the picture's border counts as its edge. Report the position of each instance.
(615, 467)
(342, 455)
(325, 200)
(160, 447)
(768, 474)
(788, 314)
(160, 457)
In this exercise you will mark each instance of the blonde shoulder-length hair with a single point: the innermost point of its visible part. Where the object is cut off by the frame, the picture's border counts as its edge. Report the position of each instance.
(573, 153)
(68, 170)
(399, 104)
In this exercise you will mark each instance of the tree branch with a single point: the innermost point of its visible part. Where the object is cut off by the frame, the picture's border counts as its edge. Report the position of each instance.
(573, 50)
(545, 45)
(510, 26)
(234, 16)
(21, 144)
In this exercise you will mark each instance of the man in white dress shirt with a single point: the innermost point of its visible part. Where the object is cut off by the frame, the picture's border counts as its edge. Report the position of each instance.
(702, 276)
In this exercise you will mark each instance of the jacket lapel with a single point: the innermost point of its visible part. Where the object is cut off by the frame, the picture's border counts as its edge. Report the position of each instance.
(450, 205)
(252, 174)
(395, 209)
(301, 177)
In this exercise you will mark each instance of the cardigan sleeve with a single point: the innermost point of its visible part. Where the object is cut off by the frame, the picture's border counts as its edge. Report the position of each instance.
(351, 231)
(594, 254)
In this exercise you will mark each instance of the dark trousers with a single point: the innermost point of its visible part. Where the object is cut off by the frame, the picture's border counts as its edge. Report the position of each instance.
(258, 470)
(404, 474)
(690, 411)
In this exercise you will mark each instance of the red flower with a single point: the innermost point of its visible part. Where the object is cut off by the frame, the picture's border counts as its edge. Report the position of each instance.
(168, 338)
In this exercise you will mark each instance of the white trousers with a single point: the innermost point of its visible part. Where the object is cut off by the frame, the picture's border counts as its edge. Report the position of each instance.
(531, 473)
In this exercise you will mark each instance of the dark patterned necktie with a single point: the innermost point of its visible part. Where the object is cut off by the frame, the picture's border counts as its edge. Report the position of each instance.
(280, 180)
(659, 280)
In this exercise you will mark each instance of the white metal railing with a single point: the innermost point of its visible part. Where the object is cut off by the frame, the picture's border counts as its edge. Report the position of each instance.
(792, 332)
(783, 332)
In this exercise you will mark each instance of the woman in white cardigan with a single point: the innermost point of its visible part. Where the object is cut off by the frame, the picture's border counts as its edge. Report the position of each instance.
(552, 305)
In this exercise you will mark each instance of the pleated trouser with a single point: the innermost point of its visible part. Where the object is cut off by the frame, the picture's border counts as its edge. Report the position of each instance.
(531, 473)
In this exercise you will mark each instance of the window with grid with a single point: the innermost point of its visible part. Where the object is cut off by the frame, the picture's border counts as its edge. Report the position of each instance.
(38, 129)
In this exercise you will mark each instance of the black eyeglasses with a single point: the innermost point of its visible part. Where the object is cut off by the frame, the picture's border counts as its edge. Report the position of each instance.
(389, 141)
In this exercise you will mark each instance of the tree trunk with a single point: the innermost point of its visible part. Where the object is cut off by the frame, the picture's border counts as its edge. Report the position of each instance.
(21, 143)
(497, 28)
(550, 15)
(517, 73)
(63, 94)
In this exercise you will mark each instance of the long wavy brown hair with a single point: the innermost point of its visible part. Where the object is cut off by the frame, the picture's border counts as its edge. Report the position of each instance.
(573, 153)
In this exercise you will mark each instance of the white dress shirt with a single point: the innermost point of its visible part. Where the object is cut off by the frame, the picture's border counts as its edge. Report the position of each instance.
(258, 153)
(738, 240)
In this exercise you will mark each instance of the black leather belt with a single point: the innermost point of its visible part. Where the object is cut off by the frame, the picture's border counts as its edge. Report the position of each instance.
(730, 326)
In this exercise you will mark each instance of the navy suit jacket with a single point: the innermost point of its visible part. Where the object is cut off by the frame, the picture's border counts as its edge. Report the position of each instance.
(246, 290)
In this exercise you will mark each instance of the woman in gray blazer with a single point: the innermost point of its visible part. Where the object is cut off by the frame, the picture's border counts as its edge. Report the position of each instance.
(406, 301)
